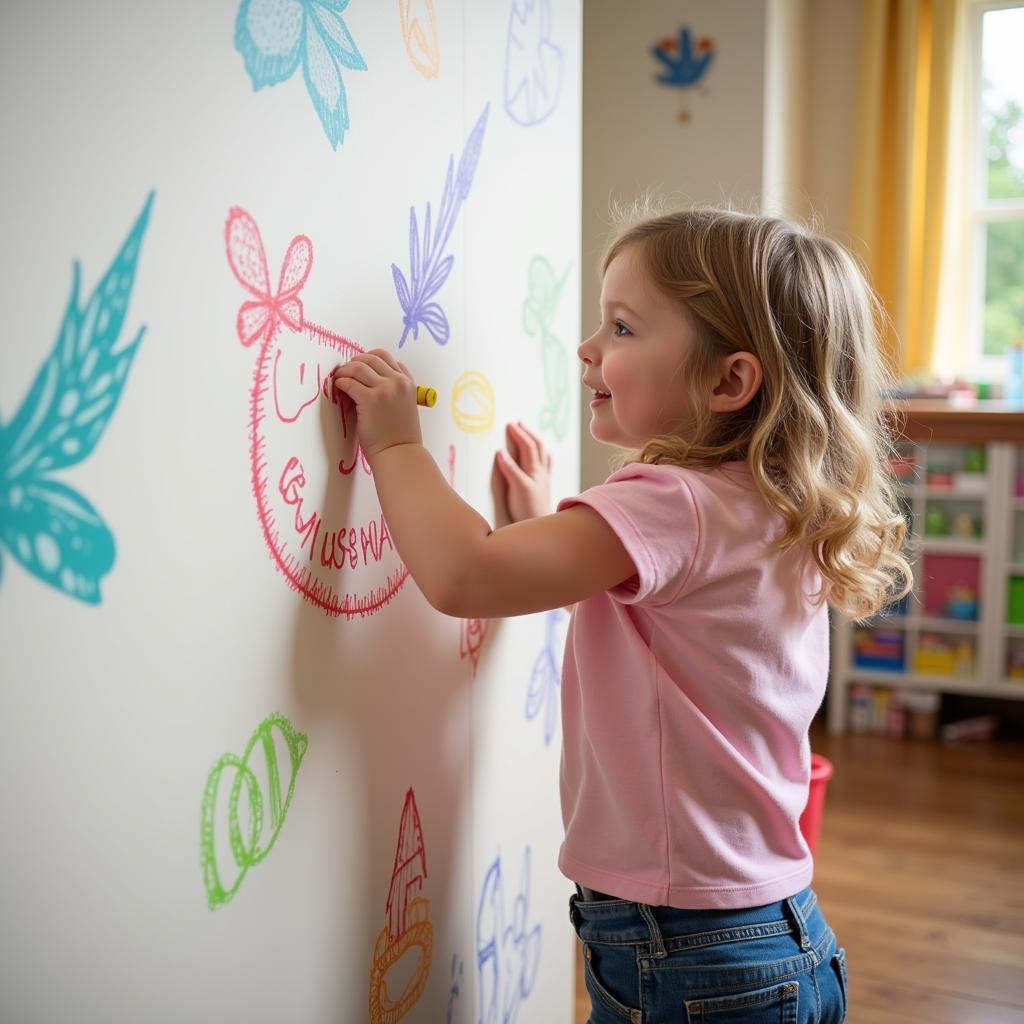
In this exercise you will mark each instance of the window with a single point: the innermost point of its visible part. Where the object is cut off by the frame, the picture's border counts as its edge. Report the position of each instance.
(997, 187)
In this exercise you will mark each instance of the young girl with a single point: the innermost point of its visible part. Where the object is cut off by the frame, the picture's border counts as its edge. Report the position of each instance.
(737, 360)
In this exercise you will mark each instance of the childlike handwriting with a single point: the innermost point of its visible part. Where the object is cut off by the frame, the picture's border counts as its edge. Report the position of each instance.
(51, 529)
(273, 36)
(428, 271)
(262, 831)
(371, 538)
(408, 924)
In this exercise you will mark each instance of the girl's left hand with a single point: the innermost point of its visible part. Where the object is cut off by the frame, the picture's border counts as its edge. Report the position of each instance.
(384, 393)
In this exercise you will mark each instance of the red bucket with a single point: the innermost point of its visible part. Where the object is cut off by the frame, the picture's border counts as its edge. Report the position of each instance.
(810, 820)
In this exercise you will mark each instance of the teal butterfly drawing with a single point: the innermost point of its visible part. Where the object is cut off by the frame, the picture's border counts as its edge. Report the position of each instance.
(51, 529)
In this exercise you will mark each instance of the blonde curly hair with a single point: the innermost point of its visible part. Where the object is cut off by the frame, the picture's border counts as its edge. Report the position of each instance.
(814, 436)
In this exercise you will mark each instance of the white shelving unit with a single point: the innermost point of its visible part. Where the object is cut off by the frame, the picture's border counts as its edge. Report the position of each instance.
(995, 553)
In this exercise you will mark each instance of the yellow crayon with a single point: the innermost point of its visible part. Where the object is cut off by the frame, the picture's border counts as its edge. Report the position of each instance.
(426, 396)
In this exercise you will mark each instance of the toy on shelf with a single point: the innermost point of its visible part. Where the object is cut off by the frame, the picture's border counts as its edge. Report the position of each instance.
(936, 521)
(922, 713)
(939, 655)
(1015, 662)
(974, 459)
(962, 602)
(903, 467)
(973, 477)
(940, 471)
(1015, 601)
(893, 713)
(878, 649)
(966, 525)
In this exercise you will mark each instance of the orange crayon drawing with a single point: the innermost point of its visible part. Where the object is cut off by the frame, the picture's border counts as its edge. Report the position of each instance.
(422, 46)
(408, 924)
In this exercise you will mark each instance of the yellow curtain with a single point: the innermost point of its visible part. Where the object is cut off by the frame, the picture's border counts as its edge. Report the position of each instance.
(898, 206)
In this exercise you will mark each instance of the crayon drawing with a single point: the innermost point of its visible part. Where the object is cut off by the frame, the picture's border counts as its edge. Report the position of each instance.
(471, 641)
(454, 987)
(274, 36)
(543, 291)
(408, 926)
(473, 403)
(428, 266)
(46, 525)
(421, 43)
(345, 564)
(544, 691)
(507, 947)
(471, 631)
(682, 65)
(249, 836)
(534, 65)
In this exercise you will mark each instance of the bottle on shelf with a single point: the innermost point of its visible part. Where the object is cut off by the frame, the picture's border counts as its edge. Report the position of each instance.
(1013, 390)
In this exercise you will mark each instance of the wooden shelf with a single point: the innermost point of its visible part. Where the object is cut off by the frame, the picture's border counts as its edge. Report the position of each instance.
(1012, 689)
(951, 545)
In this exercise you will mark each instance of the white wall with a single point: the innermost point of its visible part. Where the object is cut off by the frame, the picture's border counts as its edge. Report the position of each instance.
(128, 671)
(633, 140)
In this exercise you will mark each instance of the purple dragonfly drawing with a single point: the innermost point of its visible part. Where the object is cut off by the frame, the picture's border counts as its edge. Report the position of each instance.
(429, 267)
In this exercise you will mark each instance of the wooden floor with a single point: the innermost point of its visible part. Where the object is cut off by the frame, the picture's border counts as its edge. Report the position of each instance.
(920, 871)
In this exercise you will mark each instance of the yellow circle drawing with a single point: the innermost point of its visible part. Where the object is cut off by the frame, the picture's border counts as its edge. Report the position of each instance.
(473, 403)
(418, 932)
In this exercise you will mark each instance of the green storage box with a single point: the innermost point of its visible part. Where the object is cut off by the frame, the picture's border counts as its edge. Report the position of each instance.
(1015, 601)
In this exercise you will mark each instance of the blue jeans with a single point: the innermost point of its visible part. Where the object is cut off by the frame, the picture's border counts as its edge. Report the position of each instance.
(659, 965)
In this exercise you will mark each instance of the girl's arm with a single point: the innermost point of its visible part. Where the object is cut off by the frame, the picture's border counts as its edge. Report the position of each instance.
(466, 569)
(462, 566)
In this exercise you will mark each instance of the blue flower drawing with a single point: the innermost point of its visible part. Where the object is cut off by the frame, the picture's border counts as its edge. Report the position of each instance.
(45, 524)
(274, 35)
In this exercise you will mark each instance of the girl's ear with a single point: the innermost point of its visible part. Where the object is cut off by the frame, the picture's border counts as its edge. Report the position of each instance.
(739, 378)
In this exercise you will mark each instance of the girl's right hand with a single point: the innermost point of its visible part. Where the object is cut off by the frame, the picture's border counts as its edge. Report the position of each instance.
(521, 477)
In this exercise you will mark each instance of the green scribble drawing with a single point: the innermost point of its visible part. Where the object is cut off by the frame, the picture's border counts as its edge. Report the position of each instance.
(254, 846)
(543, 291)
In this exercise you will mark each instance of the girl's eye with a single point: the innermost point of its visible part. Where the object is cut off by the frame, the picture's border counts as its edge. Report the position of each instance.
(620, 329)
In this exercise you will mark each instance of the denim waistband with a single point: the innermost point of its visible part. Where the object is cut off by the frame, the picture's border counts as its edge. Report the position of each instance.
(622, 922)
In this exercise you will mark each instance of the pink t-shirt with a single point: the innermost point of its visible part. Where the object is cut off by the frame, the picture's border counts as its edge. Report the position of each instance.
(687, 693)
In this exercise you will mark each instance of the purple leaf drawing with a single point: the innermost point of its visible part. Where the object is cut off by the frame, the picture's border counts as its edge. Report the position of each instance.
(429, 267)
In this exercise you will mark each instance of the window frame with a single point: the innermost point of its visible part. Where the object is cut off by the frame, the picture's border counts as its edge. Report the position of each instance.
(982, 210)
